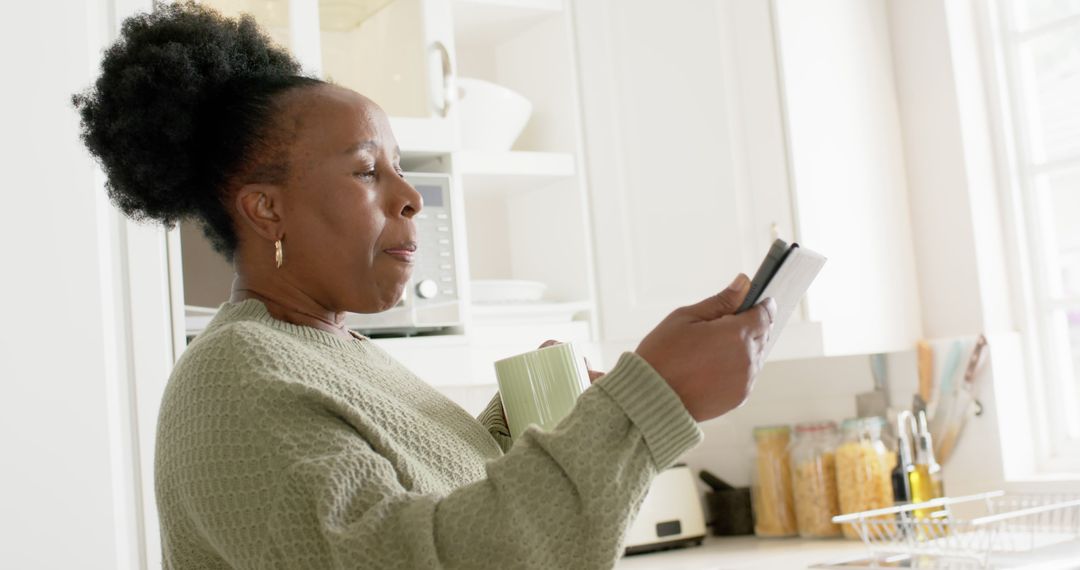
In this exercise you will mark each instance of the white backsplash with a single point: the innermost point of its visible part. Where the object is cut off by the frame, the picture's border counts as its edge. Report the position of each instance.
(794, 391)
(785, 392)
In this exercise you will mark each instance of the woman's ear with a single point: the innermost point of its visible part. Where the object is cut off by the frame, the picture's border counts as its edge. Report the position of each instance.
(260, 207)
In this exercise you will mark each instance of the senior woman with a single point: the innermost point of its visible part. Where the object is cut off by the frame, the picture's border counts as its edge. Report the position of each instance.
(286, 440)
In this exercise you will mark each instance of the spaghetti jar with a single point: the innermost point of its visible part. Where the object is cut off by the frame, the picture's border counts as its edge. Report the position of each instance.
(774, 513)
(813, 475)
(863, 470)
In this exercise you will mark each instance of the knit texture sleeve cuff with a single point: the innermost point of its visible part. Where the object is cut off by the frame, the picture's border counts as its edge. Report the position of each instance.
(645, 397)
(494, 419)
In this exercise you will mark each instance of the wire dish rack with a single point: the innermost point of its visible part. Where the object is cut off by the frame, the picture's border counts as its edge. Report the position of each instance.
(974, 530)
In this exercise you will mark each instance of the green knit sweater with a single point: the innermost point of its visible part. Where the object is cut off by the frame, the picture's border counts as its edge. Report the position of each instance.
(281, 446)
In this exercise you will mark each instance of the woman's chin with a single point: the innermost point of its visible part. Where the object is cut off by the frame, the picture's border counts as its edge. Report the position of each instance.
(391, 301)
(385, 301)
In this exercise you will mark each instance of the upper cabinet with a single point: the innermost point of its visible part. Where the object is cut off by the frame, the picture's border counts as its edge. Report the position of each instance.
(665, 174)
(715, 127)
(399, 53)
(849, 180)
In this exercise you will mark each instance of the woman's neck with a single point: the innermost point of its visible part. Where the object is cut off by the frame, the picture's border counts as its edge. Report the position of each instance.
(287, 303)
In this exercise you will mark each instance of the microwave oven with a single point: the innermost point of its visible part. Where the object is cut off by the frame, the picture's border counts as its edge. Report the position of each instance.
(432, 300)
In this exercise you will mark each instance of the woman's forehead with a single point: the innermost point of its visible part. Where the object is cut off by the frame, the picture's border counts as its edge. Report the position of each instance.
(333, 119)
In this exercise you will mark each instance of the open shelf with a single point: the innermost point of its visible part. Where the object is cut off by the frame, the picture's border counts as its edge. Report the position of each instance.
(533, 313)
(511, 171)
(488, 22)
(527, 335)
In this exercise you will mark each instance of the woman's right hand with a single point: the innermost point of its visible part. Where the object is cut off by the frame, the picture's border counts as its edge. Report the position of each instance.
(708, 354)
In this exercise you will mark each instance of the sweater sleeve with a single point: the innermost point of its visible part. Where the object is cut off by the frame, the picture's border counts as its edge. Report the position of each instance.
(557, 499)
(494, 419)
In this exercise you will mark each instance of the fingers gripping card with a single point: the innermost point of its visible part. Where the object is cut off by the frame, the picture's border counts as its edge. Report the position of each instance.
(785, 275)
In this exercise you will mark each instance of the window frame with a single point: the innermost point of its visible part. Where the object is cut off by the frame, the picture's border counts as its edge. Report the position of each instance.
(1049, 365)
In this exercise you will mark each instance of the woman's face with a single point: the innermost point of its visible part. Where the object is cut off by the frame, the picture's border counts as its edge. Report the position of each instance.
(346, 209)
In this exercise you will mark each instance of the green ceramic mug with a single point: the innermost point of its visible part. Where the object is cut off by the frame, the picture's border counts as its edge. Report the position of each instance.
(540, 387)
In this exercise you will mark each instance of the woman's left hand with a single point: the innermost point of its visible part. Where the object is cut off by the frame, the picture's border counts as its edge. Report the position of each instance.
(593, 374)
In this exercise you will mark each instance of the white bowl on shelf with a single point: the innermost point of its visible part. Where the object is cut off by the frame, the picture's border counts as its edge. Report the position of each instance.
(506, 291)
(491, 116)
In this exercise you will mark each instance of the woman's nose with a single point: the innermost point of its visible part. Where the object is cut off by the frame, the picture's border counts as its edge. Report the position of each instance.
(413, 202)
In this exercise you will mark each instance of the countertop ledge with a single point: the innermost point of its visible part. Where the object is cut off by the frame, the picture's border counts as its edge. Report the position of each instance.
(724, 553)
(736, 553)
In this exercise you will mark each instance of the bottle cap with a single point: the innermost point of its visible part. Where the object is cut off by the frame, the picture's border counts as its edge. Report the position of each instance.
(905, 428)
(924, 443)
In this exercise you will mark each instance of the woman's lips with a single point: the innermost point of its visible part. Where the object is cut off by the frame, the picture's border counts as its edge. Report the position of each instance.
(405, 255)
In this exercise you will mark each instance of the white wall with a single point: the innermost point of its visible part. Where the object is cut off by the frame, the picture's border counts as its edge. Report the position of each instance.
(66, 485)
(787, 392)
(967, 273)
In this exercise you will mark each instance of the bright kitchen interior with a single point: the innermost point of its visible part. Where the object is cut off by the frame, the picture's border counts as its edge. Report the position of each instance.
(591, 165)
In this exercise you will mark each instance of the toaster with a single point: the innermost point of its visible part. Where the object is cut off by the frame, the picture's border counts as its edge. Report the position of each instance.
(670, 515)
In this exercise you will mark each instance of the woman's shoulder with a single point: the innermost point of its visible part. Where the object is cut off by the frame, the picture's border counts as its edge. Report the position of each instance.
(226, 341)
(235, 374)
(238, 355)
(243, 333)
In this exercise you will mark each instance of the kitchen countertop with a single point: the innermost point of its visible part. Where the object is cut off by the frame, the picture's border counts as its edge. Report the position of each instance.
(733, 553)
(747, 552)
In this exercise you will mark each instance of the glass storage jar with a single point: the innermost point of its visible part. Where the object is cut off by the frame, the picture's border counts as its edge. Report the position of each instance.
(771, 492)
(863, 469)
(813, 475)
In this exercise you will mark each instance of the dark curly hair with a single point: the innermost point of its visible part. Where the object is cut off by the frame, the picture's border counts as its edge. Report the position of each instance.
(183, 113)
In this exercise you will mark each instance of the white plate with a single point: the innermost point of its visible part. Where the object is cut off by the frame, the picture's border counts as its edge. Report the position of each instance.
(506, 291)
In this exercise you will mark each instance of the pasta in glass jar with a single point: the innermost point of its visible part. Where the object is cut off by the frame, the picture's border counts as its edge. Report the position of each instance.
(863, 469)
(774, 513)
(813, 474)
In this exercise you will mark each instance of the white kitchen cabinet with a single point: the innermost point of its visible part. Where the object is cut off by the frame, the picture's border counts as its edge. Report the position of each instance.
(524, 209)
(399, 53)
(663, 168)
(847, 170)
(739, 121)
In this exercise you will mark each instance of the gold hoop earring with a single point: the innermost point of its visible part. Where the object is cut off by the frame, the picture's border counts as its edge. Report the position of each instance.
(279, 254)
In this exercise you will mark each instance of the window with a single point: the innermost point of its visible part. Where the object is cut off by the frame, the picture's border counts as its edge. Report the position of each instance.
(1039, 44)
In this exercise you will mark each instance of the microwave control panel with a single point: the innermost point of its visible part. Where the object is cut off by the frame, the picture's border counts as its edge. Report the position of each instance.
(434, 277)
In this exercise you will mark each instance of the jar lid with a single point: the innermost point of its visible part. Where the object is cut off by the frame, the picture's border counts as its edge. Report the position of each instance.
(765, 431)
(871, 422)
(815, 427)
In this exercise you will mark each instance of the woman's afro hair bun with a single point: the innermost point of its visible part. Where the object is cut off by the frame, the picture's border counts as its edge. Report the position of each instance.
(184, 99)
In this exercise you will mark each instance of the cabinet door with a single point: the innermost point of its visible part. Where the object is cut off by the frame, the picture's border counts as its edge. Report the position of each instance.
(400, 53)
(673, 212)
(848, 172)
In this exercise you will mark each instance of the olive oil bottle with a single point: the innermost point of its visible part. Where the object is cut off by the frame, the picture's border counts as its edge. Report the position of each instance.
(925, 479)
